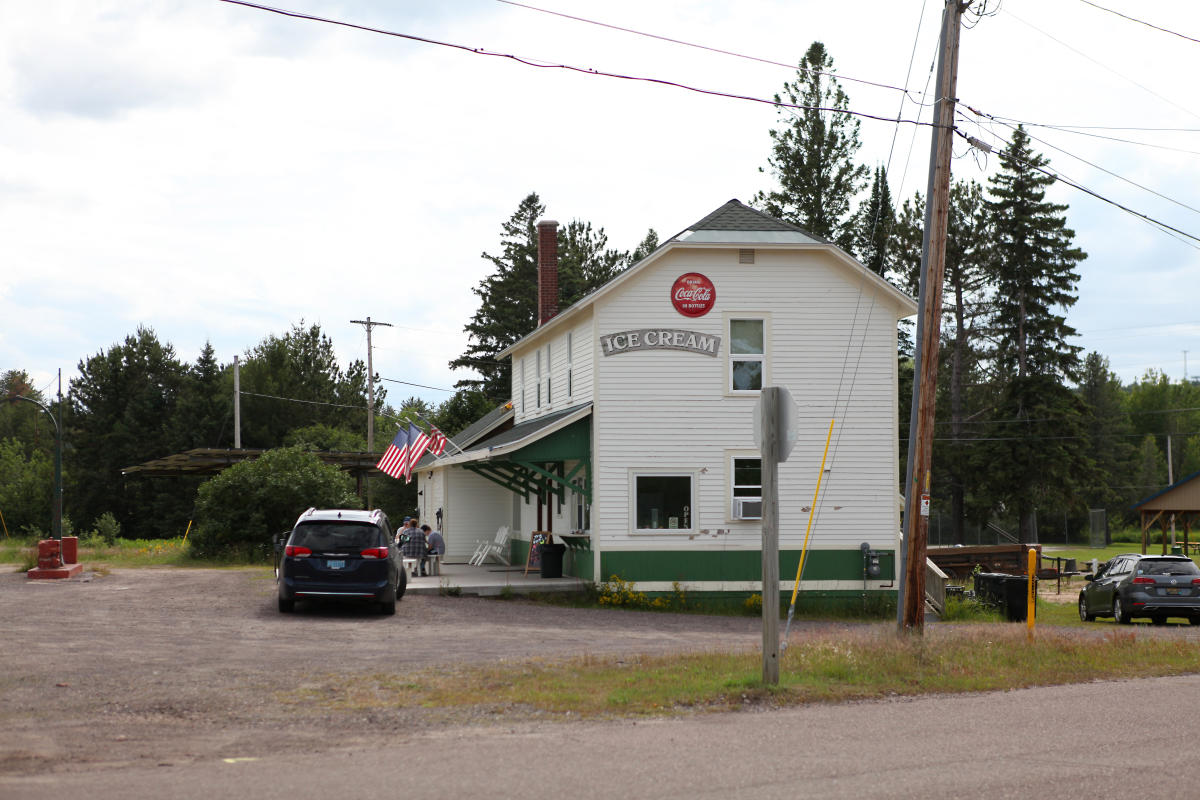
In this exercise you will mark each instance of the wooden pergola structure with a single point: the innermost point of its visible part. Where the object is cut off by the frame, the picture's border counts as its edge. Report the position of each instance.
(1179, 502)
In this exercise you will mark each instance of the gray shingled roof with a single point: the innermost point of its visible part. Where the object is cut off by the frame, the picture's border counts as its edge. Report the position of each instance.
(519, 432)
(736, 216)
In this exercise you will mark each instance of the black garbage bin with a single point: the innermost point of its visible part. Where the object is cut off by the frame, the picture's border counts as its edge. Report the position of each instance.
(1016, 597)
(552, 558)
(989, 588)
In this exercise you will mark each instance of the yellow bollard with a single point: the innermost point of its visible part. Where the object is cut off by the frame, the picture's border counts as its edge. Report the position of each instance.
(1031, 596)
(186, 532)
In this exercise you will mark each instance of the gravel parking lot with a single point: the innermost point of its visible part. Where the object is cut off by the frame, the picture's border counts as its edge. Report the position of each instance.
(169, 665)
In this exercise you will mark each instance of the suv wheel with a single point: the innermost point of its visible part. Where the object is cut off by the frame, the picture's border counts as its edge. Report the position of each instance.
(287, 606)
(387, 606)
(402, 585)
(1084, 614)
(1119, 613)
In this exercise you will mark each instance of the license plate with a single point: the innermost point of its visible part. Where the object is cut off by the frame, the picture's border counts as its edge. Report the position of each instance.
(336, 563)
(1172, 591)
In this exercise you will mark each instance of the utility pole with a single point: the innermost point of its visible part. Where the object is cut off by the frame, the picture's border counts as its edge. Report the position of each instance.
(911, 592)
(368, 324)
(237, 404)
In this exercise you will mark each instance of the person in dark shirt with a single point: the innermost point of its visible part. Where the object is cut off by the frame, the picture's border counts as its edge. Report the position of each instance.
(435, 543)
(412, 544)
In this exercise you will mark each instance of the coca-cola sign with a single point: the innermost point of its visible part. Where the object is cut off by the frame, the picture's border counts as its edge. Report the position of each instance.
(693, 295)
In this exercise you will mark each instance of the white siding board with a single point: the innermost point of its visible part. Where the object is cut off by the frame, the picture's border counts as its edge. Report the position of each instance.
(475, 508)
(663, 409)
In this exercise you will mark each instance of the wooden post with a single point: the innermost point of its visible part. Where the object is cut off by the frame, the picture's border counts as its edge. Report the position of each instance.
(911, 610)
(769, 422)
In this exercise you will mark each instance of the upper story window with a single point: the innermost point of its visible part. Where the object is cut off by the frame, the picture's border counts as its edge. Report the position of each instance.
(539, 378)
(570, 359)
(549, 373)
(747, 354)
(523, 386)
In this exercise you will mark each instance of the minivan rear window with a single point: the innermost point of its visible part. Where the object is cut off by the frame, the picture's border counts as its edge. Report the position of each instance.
(337, 537)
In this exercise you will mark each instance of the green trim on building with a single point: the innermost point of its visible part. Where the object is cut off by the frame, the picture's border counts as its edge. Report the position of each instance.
(734, 565)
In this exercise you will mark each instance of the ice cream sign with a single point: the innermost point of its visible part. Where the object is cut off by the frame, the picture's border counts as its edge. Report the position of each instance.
(660, 339)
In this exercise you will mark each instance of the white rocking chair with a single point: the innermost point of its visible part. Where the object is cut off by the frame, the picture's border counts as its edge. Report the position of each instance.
(497, 548)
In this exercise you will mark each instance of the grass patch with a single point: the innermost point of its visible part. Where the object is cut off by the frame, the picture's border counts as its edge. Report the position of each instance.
(855, 665)
(94, 551)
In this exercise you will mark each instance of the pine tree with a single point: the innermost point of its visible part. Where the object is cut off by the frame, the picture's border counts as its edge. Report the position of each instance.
(508, 297)
(812, 153)
(1035, 279)
(1035, 268)
(966, 309)
(874, 227)
(1110, 442)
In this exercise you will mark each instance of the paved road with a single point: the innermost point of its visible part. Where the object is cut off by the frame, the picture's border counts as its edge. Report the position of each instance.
(1094, 740)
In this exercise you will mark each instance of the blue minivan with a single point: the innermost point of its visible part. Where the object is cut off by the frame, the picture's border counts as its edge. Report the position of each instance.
(341, 555)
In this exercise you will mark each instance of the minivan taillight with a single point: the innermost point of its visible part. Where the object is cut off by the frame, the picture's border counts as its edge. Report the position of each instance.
(296, 551)
(1143, 580)
(375, 552)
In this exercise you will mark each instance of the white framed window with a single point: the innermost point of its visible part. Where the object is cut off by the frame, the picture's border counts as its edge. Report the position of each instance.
(539, 378)
(745, 485)
(523, 406)
(663, 502)
(581, 509)
(570, 360)
(549, 373)
(747, 353)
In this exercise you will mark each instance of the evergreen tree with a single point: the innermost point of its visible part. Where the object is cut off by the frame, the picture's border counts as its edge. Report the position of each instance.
(812, 155)
(1034, 267)
(1110, 442)
(204, 414)
(507, 304)
(120, 413)
(293, 381)
(508, 296)
(874, 227)
(966, 309)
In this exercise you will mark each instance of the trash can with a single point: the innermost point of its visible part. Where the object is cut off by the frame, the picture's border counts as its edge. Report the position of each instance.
(552, 560)
(1007, 593)
(1016, 597)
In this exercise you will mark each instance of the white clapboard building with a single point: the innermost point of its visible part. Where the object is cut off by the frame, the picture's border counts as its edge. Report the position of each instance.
(630, 433)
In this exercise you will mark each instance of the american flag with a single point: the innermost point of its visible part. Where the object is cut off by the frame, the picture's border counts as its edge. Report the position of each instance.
(418, 442)
(437, 442)
(395, 458)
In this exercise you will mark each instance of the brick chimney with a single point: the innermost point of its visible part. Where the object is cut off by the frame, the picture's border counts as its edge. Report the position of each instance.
(547, 270)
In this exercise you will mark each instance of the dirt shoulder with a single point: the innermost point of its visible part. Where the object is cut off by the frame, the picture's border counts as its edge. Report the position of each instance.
(169, 665)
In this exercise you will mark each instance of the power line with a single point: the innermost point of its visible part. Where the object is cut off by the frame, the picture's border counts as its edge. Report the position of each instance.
(1139, 21)
(1104, 66)
(571, 68)
(1082, 130)
(708, 48)
(1059, 177)
(419, 385)
(1090, 164)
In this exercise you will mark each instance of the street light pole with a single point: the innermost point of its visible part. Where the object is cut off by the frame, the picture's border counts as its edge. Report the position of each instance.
(56, 513)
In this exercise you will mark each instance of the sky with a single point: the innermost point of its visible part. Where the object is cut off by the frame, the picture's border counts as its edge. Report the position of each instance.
(219, 173)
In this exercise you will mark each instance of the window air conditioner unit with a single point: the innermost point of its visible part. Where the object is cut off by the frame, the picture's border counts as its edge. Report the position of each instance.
(747, 508)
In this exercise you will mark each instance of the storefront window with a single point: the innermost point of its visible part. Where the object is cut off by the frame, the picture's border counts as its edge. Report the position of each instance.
(747, 348)
(664, 502)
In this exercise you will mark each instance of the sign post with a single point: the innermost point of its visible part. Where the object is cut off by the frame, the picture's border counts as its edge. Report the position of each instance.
(775, 430)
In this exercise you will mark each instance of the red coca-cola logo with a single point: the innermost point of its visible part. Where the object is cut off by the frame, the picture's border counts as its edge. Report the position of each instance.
(693, 295)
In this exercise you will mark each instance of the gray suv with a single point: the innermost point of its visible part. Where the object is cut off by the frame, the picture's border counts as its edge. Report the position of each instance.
(341, 555)
(1134, 585)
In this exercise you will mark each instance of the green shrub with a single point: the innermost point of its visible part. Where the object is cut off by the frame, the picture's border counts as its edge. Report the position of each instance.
(107, 530)
(240, 511)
